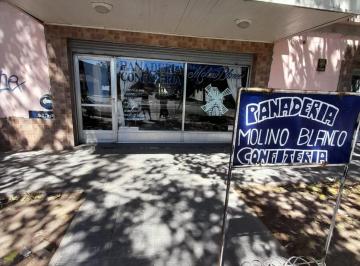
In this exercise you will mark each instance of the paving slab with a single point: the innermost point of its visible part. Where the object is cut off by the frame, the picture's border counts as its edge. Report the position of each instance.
(248, 240)
(150, 204)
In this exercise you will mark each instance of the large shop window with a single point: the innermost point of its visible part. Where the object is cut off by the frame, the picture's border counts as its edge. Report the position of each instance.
(211, 92)
(150, 95)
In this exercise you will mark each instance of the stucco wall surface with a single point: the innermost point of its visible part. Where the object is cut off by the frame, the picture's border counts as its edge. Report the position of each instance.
(295, 61)
(24, 69)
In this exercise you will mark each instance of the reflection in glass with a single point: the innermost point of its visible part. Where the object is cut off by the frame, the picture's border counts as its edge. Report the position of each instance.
(210, 96)
(150, 94)
(95, 81)
(355, 82)
(96, 118)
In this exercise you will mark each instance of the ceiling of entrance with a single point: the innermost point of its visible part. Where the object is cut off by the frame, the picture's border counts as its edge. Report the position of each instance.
(200, 18)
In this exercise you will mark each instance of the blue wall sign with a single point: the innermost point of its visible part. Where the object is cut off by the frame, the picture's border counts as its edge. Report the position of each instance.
(46, 102)
(41, 114)
(281, 128)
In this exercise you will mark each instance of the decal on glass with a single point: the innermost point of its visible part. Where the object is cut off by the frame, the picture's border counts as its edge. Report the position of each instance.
(215, 101)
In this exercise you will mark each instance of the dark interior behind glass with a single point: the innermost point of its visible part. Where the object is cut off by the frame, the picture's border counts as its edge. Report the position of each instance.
(210, 96)
(150, 94)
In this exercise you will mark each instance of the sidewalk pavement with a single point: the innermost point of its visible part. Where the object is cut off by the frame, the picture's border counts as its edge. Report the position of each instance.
(150, 204)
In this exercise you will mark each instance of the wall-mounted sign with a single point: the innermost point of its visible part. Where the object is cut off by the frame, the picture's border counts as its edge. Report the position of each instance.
(10, 82)
(41, 114)
(281, 128)
(321, 65)
(46, 102)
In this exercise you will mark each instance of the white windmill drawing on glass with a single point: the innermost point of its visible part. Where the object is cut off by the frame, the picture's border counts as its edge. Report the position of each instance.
(215, 101)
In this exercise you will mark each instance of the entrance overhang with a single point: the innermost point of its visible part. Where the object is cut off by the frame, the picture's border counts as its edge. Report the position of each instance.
(345, 6)
(266, 20)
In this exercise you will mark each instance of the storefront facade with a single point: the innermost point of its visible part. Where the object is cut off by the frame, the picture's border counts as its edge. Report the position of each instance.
(63, 85)
(136, 87)
(153, 94)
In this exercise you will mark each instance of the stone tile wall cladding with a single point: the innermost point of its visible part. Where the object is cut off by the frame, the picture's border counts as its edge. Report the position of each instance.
(60, 133)
(26, 134)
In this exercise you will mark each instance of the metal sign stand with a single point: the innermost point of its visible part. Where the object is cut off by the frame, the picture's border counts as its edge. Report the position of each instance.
(335, 211)
(228, 181)
(340, 193)
(337, 206)
(224, 225)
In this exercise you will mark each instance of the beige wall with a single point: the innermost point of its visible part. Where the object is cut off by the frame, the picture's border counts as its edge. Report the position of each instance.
(22, 53)
(295, 61)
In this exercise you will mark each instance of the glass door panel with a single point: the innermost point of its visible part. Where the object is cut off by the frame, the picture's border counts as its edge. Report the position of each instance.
(96, 117)
(95, 94)
(95, 81)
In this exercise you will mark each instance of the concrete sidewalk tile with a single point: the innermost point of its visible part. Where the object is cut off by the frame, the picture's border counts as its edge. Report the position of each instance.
(151, 206)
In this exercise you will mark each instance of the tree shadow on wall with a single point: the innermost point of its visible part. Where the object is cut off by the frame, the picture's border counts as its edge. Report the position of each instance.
(298, 60)
(24, 54)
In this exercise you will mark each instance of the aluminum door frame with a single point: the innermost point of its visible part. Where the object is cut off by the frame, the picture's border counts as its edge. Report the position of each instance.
(95, 136)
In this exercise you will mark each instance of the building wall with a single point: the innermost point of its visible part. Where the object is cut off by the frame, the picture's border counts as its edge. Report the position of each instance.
(295, 61)
(39, 55)
(350, 32)
(350, 62)
(24, 79)
(60, 64)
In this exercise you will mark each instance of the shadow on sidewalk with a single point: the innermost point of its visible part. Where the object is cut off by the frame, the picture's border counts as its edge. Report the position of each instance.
(146, 204)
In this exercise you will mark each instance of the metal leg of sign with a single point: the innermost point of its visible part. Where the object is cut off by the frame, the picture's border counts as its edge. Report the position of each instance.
(337, 206)
(223, 229)
(228, 180)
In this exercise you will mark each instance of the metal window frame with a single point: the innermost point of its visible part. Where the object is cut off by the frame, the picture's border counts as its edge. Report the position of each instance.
(110, 51)
(159, 53)
(82, 131)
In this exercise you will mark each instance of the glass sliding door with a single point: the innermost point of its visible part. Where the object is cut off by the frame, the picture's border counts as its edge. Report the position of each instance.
(95, 94)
